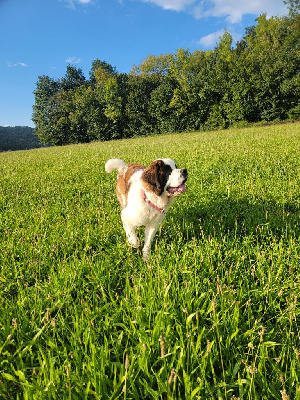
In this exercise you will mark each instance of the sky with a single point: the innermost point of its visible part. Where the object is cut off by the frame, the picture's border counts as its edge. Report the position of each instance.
(41, 37)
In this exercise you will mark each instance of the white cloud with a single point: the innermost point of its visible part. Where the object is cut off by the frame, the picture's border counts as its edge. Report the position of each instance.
(232, 10)
(176, 5)
(212, 39)
(72, 3)
(17, 64)
(73, 60)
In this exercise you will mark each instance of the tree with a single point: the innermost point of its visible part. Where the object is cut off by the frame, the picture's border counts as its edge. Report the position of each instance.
(159, 106)
(157, 65)
(45, 95)
(110, 94)
(274, 58)
(84, 115)
(294, 7)
(138, 115)
(102, 67)
(74, 78)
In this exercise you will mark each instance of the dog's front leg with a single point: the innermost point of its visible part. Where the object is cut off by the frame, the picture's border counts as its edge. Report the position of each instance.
(131, 236)
(130, 232)
(150, 232)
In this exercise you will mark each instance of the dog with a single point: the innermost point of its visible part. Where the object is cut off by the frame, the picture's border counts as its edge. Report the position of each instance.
(145, 195)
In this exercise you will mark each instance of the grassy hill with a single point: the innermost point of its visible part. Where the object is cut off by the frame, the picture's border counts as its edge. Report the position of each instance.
(214, 314)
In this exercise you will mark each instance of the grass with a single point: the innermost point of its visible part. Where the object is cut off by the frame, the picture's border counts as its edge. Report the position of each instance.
(215, 313)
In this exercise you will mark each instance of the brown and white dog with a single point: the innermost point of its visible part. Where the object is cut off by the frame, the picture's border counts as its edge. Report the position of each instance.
(145, 195)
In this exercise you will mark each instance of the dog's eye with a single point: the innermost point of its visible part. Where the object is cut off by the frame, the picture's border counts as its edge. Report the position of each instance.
(168, 171)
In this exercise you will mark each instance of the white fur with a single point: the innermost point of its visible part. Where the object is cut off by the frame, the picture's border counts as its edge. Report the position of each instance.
(138, 211)
(114, 164)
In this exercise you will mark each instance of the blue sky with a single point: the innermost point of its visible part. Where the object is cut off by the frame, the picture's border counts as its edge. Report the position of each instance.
(40, 37)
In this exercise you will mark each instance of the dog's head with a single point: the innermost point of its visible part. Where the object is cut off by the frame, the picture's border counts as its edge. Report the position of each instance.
(163, 176)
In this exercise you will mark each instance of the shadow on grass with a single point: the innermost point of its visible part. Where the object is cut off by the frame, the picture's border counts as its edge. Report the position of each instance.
(222, 216)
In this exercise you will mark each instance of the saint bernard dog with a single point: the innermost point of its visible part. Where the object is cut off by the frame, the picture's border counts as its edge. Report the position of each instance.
(145, 195)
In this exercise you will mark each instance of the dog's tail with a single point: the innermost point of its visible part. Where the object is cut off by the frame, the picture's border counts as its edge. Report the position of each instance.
(114, 164)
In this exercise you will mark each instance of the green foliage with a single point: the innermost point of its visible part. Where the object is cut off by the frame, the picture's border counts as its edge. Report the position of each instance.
(294, 7)
(294, 113)
(102, 66)
(74, 78)
(109, 93)
(18, 138)
(45, 94)
(139, 120)
(213, 315)
(257, 80)
(157, 65)
(159, 107)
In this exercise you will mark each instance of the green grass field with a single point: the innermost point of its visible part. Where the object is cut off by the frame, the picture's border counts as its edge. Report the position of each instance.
(215, 313)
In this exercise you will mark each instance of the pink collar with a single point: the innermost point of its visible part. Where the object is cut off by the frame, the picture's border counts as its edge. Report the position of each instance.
(161, 210)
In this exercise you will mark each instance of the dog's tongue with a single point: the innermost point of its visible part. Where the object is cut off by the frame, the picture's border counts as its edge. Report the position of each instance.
(177, 190)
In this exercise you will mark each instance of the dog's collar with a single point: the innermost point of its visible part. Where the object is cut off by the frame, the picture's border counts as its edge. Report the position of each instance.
(161, 210)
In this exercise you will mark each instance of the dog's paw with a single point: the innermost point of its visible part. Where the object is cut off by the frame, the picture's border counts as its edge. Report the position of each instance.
(133, 242)
(146, 253)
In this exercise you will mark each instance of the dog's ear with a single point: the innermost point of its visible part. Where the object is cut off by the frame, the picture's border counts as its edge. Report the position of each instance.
(154, 177)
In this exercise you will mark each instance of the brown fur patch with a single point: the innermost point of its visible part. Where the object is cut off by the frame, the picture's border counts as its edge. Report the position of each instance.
(123, 184)
(155, 177)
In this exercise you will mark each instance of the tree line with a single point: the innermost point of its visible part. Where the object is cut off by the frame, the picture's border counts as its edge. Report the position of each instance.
(258, 79)
(18, 138)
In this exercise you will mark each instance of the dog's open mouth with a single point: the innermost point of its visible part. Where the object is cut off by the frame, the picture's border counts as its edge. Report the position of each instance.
(174, 191)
